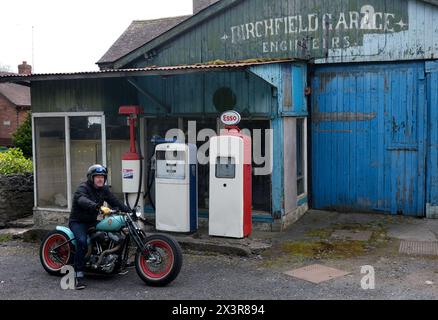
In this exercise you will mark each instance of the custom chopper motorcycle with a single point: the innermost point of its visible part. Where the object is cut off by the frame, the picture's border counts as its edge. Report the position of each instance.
(158, 257)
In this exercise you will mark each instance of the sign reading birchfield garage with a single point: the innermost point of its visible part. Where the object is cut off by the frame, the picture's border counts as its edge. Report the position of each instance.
(322, 30)
(312, 30)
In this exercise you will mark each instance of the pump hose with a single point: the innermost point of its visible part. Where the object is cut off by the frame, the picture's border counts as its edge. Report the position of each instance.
(150, 183)
(141, 175)
(141, 168)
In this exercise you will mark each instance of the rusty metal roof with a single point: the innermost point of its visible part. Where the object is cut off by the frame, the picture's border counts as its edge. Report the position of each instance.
(115, 73)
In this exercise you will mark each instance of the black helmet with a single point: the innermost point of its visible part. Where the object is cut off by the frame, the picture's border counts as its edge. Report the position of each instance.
(96, 170)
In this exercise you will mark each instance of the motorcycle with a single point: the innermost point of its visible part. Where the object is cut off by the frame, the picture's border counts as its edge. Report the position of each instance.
(158, 257)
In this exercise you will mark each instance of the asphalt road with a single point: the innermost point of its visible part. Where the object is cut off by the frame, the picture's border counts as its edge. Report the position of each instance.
(220, 278)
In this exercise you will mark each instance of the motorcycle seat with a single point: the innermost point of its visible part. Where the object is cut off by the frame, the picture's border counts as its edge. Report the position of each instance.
(91, 230)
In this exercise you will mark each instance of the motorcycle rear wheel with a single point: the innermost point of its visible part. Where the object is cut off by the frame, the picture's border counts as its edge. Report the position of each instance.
(163, 271)
(53, 262)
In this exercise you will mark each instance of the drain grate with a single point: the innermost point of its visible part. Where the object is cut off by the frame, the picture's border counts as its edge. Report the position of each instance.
(419, 248)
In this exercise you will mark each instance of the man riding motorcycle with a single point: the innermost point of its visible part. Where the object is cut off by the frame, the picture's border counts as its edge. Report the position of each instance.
(88, 201)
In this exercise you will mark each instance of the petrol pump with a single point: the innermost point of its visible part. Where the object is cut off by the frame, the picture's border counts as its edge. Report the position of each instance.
(132, 167)
(230, 181)
(176, 183)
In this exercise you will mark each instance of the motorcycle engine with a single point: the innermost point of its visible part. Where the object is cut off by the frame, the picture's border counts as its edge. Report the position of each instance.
(109, 262)
(109, 243)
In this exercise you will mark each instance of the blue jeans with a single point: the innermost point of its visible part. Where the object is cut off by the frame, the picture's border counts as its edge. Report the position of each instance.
(80, 229)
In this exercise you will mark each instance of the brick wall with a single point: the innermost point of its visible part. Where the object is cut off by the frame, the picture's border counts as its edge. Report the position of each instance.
(9, 121)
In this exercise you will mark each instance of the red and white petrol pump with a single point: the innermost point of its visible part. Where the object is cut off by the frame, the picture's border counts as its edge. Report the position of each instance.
(132, 167)
(230, 181)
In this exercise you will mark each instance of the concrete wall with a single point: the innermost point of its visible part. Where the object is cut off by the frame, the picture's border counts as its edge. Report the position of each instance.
(47, 219)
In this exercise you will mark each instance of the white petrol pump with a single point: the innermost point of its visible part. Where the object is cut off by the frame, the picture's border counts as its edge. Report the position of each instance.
(230, 181)
(176, 180)
(176, 185)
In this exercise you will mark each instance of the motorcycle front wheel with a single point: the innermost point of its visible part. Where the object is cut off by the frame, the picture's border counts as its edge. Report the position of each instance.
(162, 264)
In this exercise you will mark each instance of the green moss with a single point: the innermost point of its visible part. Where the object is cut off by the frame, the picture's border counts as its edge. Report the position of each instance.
(222, 62)
(352, 227)
(213, 62)
(324, 249)
(319, 233)
(321, 246)
(5, 237)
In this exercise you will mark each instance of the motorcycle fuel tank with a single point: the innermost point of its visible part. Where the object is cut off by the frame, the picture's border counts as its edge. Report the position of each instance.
(113, 223)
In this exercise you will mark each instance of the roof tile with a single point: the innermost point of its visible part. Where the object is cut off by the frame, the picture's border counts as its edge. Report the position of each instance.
(17, 94)
(138, 34)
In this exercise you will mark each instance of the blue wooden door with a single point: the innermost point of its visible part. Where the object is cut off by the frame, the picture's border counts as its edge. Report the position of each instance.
(432, 155)
(368, 138)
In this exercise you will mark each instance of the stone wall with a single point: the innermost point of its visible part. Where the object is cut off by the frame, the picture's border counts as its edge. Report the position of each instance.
(16, 197)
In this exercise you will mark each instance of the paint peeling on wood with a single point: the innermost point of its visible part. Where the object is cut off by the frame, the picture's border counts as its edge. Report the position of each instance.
(343, 116)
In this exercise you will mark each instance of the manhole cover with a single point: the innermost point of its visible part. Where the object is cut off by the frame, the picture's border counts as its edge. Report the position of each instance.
(419, 248)
(316, 273)
(352, 235)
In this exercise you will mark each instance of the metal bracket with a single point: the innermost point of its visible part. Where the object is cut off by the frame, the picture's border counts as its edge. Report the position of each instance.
(148, 95)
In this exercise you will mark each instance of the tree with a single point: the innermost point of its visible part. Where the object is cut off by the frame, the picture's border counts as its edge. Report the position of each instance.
(22, 138)
(5, 68)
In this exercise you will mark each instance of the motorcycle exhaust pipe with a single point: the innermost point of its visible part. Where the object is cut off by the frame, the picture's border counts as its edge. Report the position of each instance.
(107, 252)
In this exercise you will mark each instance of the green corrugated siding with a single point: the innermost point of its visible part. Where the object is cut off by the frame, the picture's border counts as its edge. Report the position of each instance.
(83, 95)
(193, 93)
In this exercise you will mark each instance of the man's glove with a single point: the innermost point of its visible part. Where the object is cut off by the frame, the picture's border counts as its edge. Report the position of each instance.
(98, 206)
(105, 210)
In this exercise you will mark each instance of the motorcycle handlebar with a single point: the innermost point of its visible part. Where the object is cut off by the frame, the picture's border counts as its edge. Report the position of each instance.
(132, 214)
(112, 211)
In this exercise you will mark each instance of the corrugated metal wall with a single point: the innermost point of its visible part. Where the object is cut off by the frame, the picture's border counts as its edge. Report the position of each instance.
(193, 93)
(369, 138)
(328, 31)
(82, 95)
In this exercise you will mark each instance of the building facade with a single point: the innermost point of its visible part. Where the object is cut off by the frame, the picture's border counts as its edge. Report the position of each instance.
(14, 106)
(348, 90)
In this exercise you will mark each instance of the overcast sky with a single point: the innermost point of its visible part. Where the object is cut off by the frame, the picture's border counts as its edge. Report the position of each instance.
(71, 36)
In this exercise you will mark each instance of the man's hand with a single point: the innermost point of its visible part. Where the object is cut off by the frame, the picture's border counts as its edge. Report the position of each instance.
(105, 210)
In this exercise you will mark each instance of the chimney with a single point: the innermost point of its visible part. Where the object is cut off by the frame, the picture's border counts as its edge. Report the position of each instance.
(199, 5)
(24, 68)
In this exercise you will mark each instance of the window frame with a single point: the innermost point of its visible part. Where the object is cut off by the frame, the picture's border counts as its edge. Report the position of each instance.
(66, 116)
(303, 159)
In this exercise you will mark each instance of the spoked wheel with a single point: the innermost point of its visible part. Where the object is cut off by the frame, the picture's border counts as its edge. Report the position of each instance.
(53, 254)
(162, 264)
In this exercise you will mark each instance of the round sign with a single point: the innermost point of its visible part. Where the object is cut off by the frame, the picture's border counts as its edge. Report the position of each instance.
(230, 118)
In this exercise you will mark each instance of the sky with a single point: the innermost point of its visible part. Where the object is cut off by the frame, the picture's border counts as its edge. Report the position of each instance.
(71, 36)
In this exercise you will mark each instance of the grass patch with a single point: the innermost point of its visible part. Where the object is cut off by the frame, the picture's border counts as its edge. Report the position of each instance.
(5, 237)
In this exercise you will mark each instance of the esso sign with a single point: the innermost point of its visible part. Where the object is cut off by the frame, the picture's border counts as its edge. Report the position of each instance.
(231, 118)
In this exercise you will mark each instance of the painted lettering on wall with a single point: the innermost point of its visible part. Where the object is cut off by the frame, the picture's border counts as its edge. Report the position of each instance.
(316, 31)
